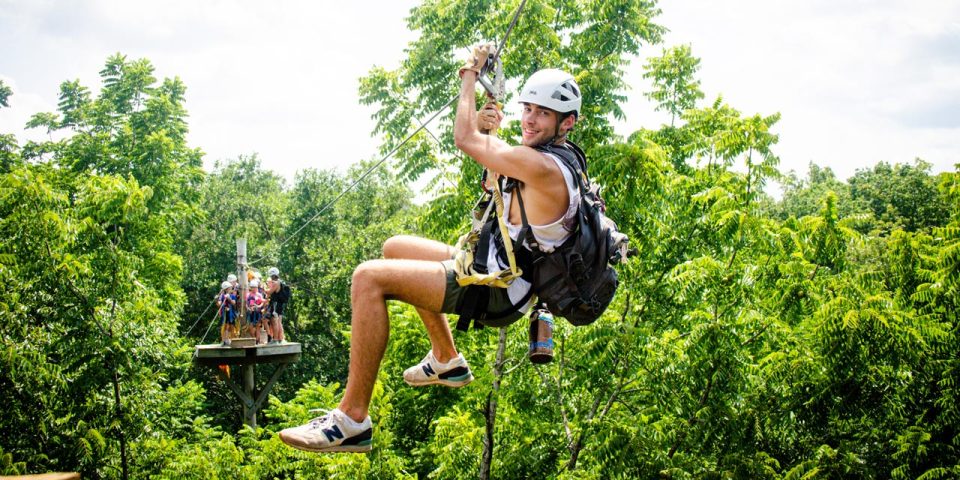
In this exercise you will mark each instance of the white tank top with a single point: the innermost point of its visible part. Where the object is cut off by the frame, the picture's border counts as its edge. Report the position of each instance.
(550, 236)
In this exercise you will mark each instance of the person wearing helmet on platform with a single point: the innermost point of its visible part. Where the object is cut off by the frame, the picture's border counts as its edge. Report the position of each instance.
(255, 302)
(259, 278)
(227, 304)
(422, 272)
(277, 297)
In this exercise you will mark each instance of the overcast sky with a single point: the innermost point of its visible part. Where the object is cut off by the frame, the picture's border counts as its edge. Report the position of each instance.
(856, 81)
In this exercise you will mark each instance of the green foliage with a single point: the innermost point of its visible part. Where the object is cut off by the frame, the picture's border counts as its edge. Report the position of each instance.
(5, 93)
(802, 197)
(884, 197)
(902, 196)
(592, 40)
(675, 88)
(94, 295)
(814, 337)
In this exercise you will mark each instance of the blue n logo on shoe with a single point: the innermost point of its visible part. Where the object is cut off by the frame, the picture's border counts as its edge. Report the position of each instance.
(428, 369)
(332, 433)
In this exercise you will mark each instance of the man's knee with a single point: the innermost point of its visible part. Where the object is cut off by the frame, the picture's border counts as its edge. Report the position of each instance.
(395, 246)
(365, 279)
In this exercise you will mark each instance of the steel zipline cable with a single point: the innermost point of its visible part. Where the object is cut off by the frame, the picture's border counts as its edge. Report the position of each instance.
(389, 154)
(329, 204)
(361, 177)
(506, 35)
(334, 201)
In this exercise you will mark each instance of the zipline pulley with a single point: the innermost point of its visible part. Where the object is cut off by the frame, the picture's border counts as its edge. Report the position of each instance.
(495, 85)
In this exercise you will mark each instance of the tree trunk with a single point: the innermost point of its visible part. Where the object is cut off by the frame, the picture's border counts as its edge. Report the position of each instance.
(490, 413)
(124, 474)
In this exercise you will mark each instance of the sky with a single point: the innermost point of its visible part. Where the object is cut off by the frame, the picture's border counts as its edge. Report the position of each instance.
(856, 81)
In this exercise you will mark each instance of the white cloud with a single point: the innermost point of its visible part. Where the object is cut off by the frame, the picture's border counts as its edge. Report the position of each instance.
(857, 81)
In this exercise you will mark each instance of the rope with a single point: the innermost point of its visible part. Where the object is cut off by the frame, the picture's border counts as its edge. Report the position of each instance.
(208, 329)
(201, 316)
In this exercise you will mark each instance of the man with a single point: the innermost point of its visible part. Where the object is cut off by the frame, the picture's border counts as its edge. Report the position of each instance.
(226, 301)
(420, 271)
(275, 307)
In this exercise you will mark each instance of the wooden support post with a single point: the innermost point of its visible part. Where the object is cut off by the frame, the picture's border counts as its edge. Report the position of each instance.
(242, 277)
(249, 410)
(244, 361)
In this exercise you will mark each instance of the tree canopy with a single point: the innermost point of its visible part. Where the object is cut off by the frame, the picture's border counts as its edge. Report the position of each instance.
(814, 336)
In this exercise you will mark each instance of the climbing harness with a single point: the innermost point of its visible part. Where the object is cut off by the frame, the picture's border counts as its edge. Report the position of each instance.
(470, 261)
(470, 265)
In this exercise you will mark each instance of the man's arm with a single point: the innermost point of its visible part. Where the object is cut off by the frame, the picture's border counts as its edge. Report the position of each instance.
(520, 162)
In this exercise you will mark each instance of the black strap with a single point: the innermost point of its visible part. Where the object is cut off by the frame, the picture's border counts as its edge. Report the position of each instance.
(569, 152)
(473, 305)
(573, 158)
(532, 254)
(483, 244)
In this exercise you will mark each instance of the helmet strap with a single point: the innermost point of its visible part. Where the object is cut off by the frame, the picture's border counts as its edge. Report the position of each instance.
(557, 135)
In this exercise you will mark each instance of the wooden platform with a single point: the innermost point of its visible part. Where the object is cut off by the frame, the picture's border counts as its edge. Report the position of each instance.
(45, 476)
(215, 354)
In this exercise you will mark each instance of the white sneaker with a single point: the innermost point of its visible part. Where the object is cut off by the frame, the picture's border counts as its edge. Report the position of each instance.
(455, 373)
(333, 432)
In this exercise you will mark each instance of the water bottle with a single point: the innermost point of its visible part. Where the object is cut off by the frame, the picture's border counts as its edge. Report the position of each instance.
(541, 336)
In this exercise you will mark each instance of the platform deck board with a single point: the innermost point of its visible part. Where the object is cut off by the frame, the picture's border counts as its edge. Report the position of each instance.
(214, 354)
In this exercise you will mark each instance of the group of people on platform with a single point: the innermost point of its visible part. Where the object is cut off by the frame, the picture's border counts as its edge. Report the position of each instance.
(265, 303)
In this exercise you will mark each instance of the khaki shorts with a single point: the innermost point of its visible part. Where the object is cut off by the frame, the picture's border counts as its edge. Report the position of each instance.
(499, 300)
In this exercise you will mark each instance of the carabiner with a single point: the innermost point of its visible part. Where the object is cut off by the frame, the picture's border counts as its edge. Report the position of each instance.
(494, 86)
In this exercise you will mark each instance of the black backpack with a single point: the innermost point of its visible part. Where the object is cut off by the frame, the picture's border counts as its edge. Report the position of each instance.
(283, 295)
(577, 280)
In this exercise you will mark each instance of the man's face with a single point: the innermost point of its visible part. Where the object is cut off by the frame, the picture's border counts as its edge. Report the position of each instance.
(538, 125)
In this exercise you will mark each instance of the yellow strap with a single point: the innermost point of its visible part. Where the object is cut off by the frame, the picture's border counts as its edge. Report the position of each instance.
(466, 274)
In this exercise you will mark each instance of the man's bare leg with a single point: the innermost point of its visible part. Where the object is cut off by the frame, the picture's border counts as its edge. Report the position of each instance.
(418, 248)
(417, 282)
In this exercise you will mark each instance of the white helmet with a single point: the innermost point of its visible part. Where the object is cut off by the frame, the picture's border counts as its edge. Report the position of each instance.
(225, 285)
(553, 89)
(273, 271)
(231, 278)
(254, 283)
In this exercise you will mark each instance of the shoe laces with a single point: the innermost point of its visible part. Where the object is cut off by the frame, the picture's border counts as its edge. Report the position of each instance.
(428, 359)
(324, 419)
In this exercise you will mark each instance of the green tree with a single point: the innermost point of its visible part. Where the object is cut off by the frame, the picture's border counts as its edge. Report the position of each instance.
(133, 128)
(9, 155)
(902, 196)
(802, 197)
(88, 226)
(5, 93)
(675, 89)
(89, 344)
